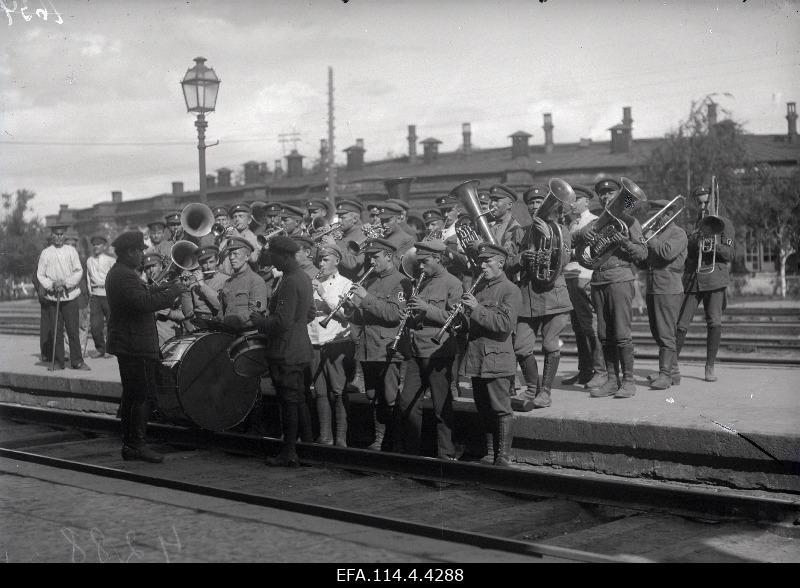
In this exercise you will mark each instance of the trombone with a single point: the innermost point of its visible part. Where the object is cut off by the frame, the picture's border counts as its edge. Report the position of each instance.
(656, 223)
(710, 226)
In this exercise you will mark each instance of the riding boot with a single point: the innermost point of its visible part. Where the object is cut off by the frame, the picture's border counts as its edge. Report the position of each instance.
(324, 415)
(609, 388)
(380, 432)
(304, 422)
(664, 378)
(584, 362)
(341, 421)
(287, 456)
(135, 447)
(523, 402)
(488, 459)
(628, 386)
(503, 438)
(551, 360)
(712, 346)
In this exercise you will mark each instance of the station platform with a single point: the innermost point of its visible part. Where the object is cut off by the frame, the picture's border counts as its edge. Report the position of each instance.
(742, 431)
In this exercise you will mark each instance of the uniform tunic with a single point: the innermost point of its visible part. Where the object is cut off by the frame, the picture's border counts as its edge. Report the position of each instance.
(203, 299)
(164, 249)
(402, 240)
(374, 325)
(243, 294)
(666, 255)
(442, 292)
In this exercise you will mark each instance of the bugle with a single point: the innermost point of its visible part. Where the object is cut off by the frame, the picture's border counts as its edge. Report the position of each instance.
(457, 309)
(346, 298)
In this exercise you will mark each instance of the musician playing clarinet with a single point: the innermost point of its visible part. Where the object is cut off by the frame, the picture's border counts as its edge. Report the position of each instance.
(430, 364)
(492, 316)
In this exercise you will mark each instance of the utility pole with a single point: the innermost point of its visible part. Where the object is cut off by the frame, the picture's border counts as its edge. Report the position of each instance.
(331, 163)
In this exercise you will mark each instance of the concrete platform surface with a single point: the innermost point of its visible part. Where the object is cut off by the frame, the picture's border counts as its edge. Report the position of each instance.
(741, 431)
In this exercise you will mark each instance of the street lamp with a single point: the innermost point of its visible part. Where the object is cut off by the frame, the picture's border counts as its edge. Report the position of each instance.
(200, 87)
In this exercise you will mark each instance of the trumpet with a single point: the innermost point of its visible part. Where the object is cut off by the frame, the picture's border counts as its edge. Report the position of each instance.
(406, 315)
(371, 232)
(456, 311)
(658, 222)
(346, 298)
(710, 226)
(263, 240)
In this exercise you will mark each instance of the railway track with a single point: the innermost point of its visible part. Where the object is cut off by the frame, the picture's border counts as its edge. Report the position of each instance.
(539, 512)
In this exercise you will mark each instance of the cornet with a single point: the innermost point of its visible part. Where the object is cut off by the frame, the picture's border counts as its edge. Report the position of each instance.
(263, 240)
(183, 256)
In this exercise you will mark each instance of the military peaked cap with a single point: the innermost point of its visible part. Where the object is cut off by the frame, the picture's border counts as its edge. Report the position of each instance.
(700, 190)
(238, 243)
(330, 250)
(151, 259)
(173, 218)
(219, 211)
(292, 212)
(582, 191)
(317, 203)
(606, 185)
(537, 192)
(501, 191)
(390, 209)
(488, 250)
(241, 207)
(425, 248)
(375, 245)
(207, 252)
(401, 203)
(349, 206)
(431, 215)
(157, 223)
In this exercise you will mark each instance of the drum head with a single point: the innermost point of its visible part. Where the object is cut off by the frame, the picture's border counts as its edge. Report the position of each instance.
(248, 355)
(210, 393)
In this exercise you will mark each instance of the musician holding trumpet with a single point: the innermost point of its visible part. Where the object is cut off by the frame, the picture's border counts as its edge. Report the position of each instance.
(201, 301)
(244, 293)
(706, 276)
(435, 294)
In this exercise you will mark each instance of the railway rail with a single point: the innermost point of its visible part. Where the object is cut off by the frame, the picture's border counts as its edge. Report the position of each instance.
(518, 510)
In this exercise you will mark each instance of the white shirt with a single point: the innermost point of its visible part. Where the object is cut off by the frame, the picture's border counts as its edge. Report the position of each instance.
(449, 232)
(96, 271)
(334, 288)
(60, 263)
(573, 269)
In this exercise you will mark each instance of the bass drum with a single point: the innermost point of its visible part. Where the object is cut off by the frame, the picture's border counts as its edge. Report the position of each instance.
(197, 384)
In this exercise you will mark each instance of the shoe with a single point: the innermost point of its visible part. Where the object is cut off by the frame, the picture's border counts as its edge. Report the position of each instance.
(341, 442)
(710, 375)
(572, 380)
(608, 389)
(598, 380)
(522, 403)
(323, 441)
(97, 354)
(81, 366)
(626, 390)
(283, 461)
(446, 458)
(143, 453)
(56, 367)
(660, 382)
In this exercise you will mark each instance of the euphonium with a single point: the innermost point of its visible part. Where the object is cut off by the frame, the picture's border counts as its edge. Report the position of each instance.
(710, 227)
(612, 223)
(466, 194)
(197, 219)
(549, 259)
(371, 232)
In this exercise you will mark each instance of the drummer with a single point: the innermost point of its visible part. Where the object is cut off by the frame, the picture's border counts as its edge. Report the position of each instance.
(202, 300)
(243, 292)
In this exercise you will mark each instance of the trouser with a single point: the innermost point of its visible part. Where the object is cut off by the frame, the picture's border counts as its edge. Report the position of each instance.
(590, 352)
(434, 374)
(613, 304)
(662, 313)
(44, 334)
(493, 399)
(98, 306)
(138, 375)
(67, 320)
(329, 368)
(713, 305)
(382, 386)
(289, 383)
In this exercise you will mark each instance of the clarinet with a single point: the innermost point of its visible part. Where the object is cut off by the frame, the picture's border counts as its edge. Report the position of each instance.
(414, 291)
(346, 298)
(458, 308)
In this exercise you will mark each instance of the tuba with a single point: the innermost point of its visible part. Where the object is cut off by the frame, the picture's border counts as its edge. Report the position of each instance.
(399, 188)
(611, 225)
(466, 194)
(710, 227)
(183, 256)
(197, 219)
(549, 259)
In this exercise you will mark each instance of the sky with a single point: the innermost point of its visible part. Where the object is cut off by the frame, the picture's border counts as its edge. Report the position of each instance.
(90, 100)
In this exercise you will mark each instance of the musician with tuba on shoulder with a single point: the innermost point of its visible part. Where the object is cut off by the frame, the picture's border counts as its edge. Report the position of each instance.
(545, 250)
(666, 254)
(609, 245)
(706, 275)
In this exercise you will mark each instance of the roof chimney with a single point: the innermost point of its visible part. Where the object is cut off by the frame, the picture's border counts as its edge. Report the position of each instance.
(548, 132)
(223, 177)
(251, 172)
(622, 134)
(430, 148)
(712, 113)
(466, 132)
(177, 187)
(294, 164)
(519, 144)
(211, 180)
(412, 143)
(355, 155)
(278, 169)
(791, 118)
(116, 197)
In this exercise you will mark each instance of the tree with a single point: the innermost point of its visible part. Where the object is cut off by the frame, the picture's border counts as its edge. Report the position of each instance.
(22, 240)
(775, 214)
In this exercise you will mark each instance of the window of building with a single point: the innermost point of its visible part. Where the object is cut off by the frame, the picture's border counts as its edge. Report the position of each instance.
(759, 255)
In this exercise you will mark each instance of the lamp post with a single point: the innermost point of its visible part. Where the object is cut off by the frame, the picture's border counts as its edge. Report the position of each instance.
(200, 86)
